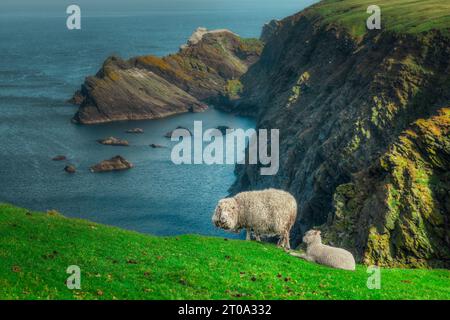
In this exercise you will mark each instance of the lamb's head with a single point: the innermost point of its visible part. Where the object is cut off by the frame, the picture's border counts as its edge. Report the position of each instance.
(312, 236)
(226, 215)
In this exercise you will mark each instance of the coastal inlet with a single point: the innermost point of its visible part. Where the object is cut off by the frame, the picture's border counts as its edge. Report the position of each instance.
(155, 196)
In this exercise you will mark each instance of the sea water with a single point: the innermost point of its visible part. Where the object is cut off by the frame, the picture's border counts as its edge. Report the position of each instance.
(42, 63)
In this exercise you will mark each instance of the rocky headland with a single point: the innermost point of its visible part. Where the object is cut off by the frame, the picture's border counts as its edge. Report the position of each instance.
(206, 69)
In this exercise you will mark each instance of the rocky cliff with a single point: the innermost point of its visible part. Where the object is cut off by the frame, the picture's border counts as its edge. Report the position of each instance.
(364, 127)
(207, 68)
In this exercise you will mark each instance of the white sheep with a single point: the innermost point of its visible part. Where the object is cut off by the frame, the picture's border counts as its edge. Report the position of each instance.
(268, 212)
(323, 254)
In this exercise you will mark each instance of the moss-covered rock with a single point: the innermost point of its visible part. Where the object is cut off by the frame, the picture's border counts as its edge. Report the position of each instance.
(233, 89)
(406, 221)
(150, 87)
(355, 111)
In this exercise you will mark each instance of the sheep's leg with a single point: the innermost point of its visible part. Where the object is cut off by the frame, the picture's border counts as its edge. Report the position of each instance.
(296, 254)
(302, 256)
(280, 242)
(287, 244)
(258, 237)
(248, 236)
(308, 258)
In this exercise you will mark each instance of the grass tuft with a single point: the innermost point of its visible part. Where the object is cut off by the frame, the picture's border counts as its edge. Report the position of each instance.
(401, 16)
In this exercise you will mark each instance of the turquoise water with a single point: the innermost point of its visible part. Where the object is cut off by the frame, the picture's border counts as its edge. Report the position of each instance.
(42, 64)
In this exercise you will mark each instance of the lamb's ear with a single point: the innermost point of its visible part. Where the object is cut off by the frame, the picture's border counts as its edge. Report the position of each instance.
(318, 232)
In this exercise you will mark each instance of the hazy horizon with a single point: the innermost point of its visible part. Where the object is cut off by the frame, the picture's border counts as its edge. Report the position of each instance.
(141, 7)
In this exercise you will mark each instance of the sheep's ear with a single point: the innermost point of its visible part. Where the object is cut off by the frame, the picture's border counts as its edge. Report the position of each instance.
(317, 232)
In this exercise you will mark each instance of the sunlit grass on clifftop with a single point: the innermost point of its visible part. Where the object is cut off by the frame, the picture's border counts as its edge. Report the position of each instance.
(36, 249)
(401, 16)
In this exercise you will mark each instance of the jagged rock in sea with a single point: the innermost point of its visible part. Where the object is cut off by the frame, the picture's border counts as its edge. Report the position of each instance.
(149, 87)
(135, 130)
(116, 163)
(113, 141)
(70, 169)
(348, 99)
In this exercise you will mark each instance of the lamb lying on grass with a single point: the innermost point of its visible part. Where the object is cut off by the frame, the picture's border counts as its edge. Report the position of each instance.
(323, 254)
(269, 212)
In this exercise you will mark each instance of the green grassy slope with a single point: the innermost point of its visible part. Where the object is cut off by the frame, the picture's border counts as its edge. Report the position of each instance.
(36, 249)
(403, 16)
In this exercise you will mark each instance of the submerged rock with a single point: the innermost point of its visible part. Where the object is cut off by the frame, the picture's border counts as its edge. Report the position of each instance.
(117, 163)
(70, 169)
(153, 145)
(59, 158)
(112, 141)
(135, 130)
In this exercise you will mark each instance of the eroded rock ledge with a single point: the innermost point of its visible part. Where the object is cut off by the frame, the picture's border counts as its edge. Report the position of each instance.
(148, 87)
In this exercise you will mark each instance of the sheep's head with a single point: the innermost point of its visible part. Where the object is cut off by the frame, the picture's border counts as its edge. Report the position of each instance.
(312, 236)
(226, 215)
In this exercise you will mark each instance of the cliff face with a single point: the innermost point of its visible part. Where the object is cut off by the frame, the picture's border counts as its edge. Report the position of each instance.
(397, 211)
(149, 87)
(345, 103)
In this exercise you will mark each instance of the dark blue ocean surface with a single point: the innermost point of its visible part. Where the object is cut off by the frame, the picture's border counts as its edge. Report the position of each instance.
(42, 64)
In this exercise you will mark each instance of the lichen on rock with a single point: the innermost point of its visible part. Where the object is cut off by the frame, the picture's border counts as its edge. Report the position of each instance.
(362, 139)
(150, 87)
(406, 221)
